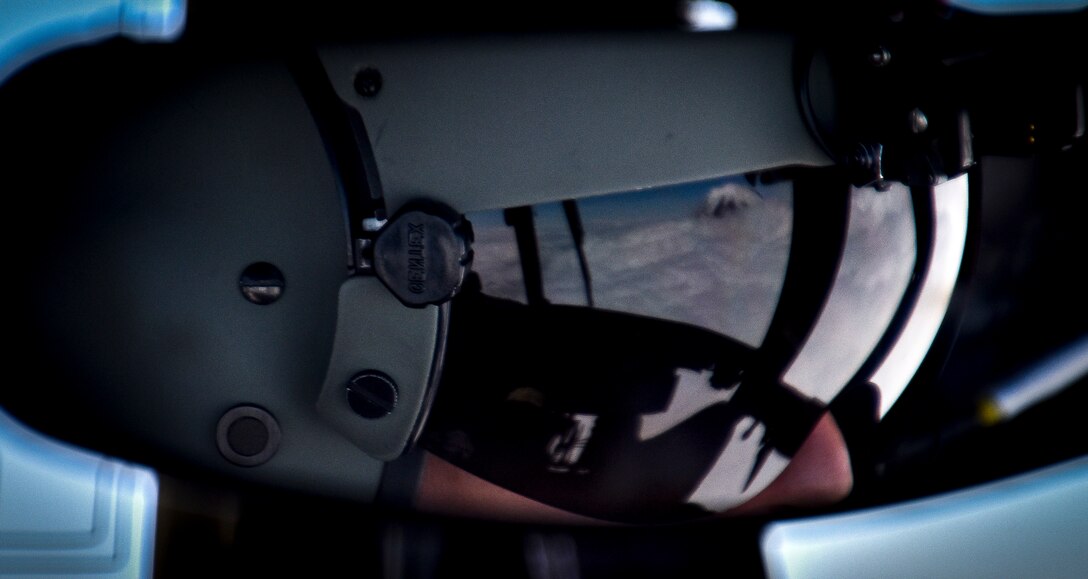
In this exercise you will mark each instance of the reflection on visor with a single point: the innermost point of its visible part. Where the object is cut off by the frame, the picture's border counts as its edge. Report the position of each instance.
(709, 254)
(950, 203)
(609, 415)
(724, 318)
(664, 401)
(876, 267)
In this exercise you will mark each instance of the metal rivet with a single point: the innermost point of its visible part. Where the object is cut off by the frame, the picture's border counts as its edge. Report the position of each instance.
(880, 57)
(372, 394)
(261, 283)
(368, 82)
(918, 122)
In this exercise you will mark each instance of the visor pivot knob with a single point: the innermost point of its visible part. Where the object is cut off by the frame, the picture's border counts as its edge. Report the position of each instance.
(423, 254)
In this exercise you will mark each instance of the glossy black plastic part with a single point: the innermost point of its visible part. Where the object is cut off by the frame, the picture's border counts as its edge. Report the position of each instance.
(423, 254)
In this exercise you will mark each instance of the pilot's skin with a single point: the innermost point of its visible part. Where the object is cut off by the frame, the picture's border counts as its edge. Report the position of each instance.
(819, 474)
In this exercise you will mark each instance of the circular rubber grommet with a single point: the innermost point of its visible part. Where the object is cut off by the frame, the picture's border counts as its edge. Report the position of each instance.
(247, 435)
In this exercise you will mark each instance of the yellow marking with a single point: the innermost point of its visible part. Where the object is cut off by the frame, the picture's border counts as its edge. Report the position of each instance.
(989, 413)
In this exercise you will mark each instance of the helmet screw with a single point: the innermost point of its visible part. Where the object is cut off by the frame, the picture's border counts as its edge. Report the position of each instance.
(880, 57)
(368, 82)
(918, 122)
(261, 283)
(372, 394)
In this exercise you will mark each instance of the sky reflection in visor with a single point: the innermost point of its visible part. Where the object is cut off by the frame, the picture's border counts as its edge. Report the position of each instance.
(711, 254)
(714, 254)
